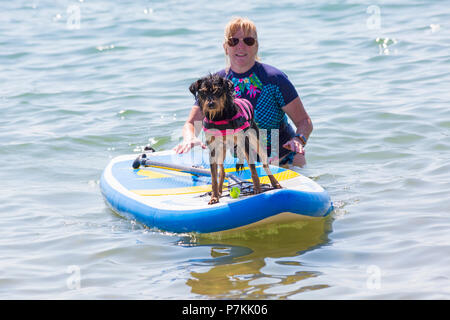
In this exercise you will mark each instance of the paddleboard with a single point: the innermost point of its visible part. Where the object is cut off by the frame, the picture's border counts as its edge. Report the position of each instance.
(170, 199)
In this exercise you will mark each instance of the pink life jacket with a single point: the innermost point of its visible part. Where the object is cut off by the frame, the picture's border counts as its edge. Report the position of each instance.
(241, 121)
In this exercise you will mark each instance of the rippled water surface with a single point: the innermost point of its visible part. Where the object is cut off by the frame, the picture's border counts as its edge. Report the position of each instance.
(85, 81)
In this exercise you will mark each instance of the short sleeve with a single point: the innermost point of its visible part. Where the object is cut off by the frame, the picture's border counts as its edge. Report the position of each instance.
(222, 73)
(286, 91)
(286, 88)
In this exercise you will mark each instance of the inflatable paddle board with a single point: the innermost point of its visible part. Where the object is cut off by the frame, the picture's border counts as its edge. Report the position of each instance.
(171, 194)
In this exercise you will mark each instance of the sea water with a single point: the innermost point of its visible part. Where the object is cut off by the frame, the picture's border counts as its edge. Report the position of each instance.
(85, 81)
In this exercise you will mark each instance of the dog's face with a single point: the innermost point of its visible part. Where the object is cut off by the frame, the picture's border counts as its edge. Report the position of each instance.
(213, 93)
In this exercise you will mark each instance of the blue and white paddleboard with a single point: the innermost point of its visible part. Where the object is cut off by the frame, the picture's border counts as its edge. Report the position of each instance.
(176, 201)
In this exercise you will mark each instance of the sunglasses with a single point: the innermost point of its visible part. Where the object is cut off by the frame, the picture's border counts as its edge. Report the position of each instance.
(247, 40)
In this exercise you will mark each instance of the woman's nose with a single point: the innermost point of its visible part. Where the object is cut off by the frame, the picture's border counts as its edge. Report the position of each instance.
(241, 44)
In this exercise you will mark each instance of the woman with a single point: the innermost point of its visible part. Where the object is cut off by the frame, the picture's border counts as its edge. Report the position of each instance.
(267, 88)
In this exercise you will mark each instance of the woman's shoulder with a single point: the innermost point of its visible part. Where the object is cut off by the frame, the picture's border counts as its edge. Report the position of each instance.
(272, 74)
(270, 70)
(263, 70)
(222, 73)
(278, 78)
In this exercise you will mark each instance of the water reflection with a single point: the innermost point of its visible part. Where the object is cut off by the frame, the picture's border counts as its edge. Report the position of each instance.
(252, 264)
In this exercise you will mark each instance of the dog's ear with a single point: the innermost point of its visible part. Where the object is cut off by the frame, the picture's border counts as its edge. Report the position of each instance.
(195, 86)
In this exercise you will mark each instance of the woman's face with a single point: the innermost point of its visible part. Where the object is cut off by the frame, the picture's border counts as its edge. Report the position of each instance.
(242, 56)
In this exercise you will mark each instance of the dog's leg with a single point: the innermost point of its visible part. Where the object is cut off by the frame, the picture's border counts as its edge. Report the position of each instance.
(251, 159)
(255, 178)
(273, 181)
(244, 147)
(237, 149)
(213, 167)
(215, 188)
(221, 158)
(256, 144)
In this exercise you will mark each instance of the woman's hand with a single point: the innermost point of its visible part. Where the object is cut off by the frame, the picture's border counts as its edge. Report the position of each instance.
(193, 124)
(187, 145)
(294, 145)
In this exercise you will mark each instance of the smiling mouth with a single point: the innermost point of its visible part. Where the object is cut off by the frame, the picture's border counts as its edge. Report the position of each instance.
(240, 55)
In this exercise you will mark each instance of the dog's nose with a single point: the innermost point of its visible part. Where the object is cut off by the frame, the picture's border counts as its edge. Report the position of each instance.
(211, 105)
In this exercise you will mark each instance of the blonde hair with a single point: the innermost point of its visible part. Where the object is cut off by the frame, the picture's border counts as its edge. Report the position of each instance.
(236, 24)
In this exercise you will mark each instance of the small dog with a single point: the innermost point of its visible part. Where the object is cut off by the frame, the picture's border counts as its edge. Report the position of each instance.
(229, 122)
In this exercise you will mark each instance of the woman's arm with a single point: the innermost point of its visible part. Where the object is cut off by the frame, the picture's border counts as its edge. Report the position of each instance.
(299, 116)
(302, 121)
(191, 129)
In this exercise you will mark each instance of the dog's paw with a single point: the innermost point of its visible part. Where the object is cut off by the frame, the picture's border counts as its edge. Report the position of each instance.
(213, 200)
(274, 182)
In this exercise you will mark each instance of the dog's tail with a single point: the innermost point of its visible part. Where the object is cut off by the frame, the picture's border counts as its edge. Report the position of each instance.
(239, 167)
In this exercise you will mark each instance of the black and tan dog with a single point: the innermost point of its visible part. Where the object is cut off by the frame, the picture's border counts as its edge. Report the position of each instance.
(229, 124)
